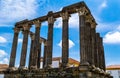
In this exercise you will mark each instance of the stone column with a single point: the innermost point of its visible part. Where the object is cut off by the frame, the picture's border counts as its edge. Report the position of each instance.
(36, 47)
(45, 55)
(14, 48)
(102, 55)
(97, 49)
(93, 43)
(31, 48)
(26, 28)
(39, 56)
(82, 29)
(88, 40)
(65, 38)
(50, 40)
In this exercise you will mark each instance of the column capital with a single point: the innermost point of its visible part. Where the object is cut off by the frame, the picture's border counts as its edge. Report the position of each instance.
(32, 36)
(16, 30)
(37, 23)
(40, 40)
(45, 43)
(88, 18)
(26, 27)
(93, 25)
(65, 15)
(51, 19)
(82, 11)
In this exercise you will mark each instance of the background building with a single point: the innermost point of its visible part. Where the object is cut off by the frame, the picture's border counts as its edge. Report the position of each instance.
(56, 62)
(114, 70)
(2, 68)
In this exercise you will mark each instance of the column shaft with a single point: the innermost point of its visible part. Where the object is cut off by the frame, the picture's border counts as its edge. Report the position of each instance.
(14, 48)
(97, 49)
(102, 57)
(65, 43)
(36, 47)
(50, 44)
(39, 56)
(31, 49)
(83, 44)
(45, 56)
(65, 38)
(88, 40)
(93, 45)
(50, 41)
(24, 46)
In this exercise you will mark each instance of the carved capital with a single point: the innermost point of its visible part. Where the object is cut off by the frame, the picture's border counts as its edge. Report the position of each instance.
(93, 25)
(16, 30)
(51, 20)
(82, 11)
(65, 15)
(45, 43)
(32, 37)
(40, 40)
(26, 27)
(88, 18)
(37, 23)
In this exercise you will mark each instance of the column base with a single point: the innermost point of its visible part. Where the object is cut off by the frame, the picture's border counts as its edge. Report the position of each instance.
(33, 67)
(12, 69)
(22, 68)
(47, 66)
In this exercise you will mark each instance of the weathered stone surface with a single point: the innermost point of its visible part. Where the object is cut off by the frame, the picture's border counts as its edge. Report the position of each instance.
(50, 41)
(14, 47)
(92, 60)
(65, 39)
(24, 46)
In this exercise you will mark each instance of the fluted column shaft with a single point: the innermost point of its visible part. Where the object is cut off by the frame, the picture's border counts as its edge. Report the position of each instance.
(50, 40)
(31, 49)
(36, 47)
(88, 41)
(24, 45)
(82, 35)
(97, 49)
(14, 48)
(45, 55)
(102, 57)
(65, 38)
(93, 36)
(39, 56)
(103, 54)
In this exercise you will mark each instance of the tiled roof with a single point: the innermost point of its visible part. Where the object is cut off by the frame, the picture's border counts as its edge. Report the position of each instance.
(113, 67)
(3, 67)
(71, 60)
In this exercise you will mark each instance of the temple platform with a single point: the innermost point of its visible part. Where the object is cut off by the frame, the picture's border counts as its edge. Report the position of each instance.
(71, 72)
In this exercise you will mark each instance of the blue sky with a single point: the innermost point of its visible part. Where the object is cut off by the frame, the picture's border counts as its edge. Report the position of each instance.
(106, 13)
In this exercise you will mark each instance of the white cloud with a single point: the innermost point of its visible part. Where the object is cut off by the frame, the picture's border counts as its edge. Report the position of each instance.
(14, 10)
(2, 40)
(112, 38)
(71, 43)
(20, 40)
(73, 22)
(2, 53)
(118, 28)
(4, 61)
(104, 4)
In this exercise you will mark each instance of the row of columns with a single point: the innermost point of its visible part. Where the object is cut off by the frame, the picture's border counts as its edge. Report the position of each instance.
(35, 45)
(91, 46)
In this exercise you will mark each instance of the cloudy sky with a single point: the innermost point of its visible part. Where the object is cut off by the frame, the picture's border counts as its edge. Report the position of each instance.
(106, 13)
